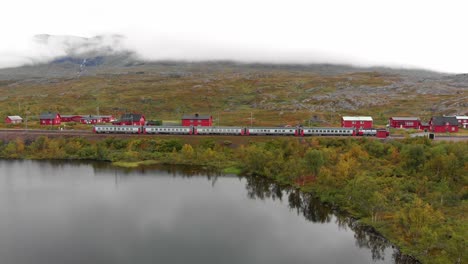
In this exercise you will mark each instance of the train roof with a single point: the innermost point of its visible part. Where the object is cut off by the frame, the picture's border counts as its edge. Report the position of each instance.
(220, 127)
(344, 128)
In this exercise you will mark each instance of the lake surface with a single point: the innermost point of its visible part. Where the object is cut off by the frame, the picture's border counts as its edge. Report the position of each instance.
(62, 212)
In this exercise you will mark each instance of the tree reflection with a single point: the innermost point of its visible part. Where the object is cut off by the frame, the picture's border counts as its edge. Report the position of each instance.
(303, 203)
(261, 188)
(313, 210)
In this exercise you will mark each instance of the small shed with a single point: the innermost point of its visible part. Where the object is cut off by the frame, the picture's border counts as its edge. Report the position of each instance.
(405, 122)
(197, 120)
(49, 118)
(382, 133)
(357, 121)
(442, 124)
(13, 120)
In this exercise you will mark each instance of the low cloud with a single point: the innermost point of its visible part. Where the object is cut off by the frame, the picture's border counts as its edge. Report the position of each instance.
(45, 48)
(152, 47)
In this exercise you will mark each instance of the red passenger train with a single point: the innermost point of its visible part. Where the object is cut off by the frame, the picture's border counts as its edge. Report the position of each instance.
(240, 131)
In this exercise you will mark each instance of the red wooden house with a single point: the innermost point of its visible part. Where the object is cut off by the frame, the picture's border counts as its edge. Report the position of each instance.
(357, 121)
(130, 119)
(13, 120)
(107, 118)
(442, 124)
(405, 122)
(90, 119)
(197, 120)
(50, 118)
(70, 118)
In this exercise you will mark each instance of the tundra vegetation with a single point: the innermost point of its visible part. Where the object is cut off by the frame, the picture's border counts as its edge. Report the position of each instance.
(232, 94)
(413, 191)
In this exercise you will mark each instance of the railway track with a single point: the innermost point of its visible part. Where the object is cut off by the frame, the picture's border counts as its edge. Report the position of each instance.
(46, 132)
(12, 133)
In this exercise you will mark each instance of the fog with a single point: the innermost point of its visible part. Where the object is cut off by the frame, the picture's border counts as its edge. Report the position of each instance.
(416, 34)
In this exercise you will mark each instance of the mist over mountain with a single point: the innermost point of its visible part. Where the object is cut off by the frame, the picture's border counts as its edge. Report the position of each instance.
(107, 61)
(73, 56)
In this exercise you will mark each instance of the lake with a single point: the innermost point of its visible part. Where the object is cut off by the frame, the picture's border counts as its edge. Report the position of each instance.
(86, 212)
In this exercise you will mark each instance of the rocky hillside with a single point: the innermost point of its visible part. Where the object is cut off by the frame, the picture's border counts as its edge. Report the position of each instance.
(91, 74)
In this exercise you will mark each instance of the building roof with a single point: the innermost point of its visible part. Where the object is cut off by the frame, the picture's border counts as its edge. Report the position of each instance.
(71, 115)
(131, 117)
(357, 118)
(15, 118)
(48, 115)
(442, 120)
(461, 117)
(409, 118)
(196, 116)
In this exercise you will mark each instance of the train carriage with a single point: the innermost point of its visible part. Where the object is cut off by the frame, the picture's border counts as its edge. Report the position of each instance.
(367, 132)
(272, 131)
(327, 131)
(172, 130)
(234, 131)
(107, 129)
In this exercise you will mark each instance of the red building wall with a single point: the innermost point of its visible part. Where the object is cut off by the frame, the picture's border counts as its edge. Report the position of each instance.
(75, 118)
(55, 121)
(463, 122)
(382, 133)
(90, 121)
(107, 119)
(444, 129)
(14, 121)
(357, 124)
(413, 123)
(197, 122)
(130, 123)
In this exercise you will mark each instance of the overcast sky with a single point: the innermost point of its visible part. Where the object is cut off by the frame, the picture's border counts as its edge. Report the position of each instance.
(424, 34)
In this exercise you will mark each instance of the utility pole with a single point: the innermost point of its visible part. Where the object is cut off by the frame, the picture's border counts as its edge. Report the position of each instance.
(251, 119)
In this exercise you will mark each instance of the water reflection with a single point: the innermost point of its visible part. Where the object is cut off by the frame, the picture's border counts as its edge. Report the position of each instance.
(92, 212)
(313, 210)
(303, 204)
